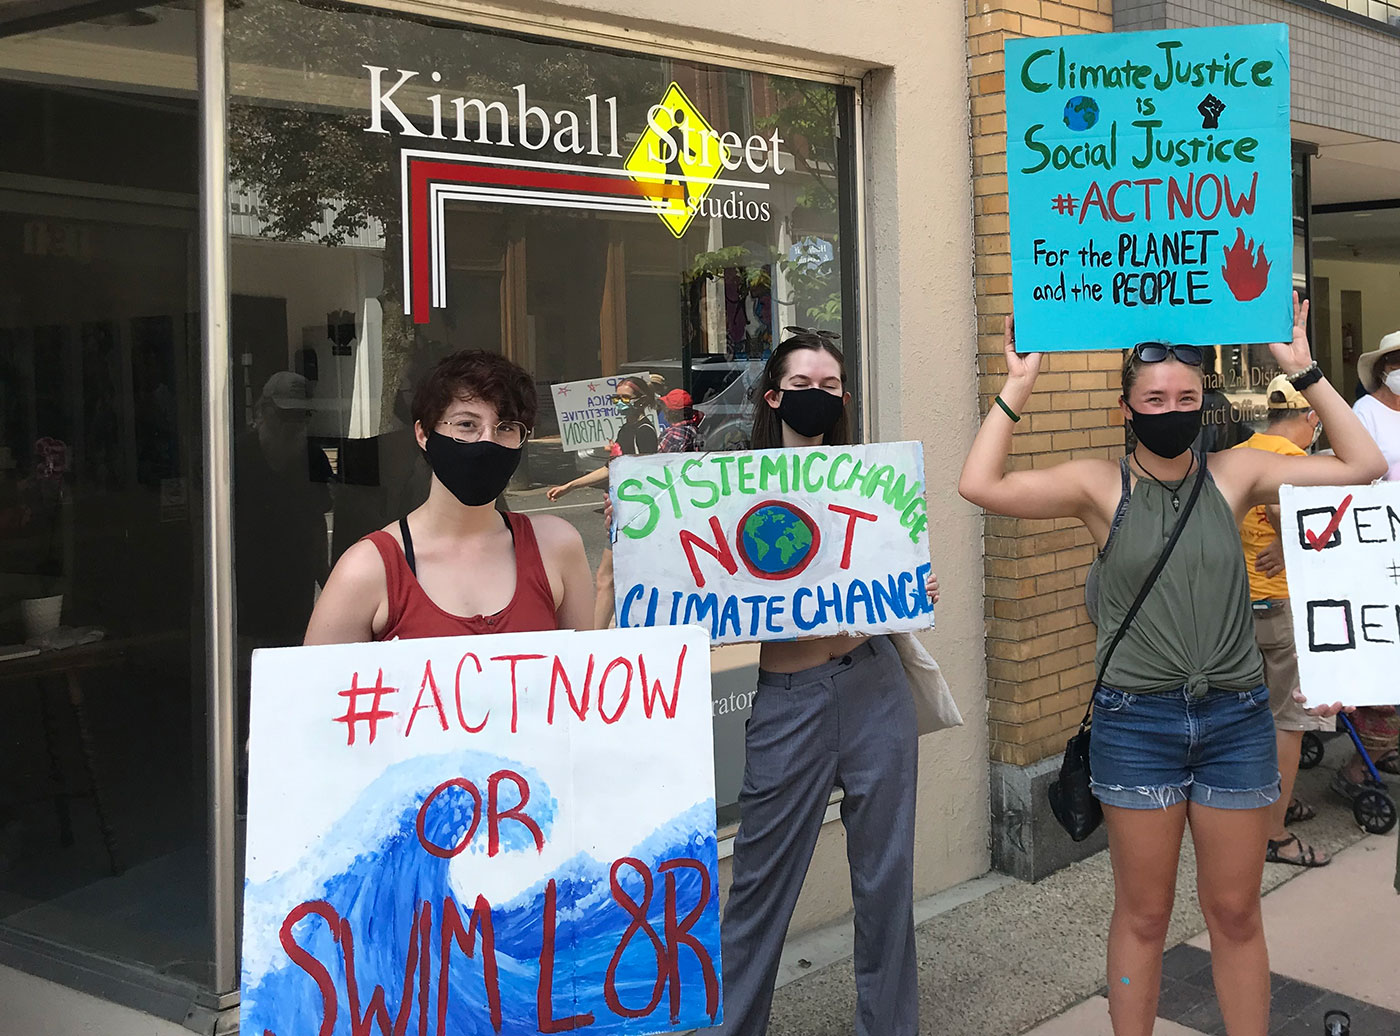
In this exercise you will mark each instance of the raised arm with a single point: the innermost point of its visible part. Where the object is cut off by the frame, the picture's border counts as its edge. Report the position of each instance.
(1059, 492)
(1357, 459)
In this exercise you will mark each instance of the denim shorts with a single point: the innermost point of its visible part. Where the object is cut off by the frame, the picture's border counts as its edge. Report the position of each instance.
(1151, 751)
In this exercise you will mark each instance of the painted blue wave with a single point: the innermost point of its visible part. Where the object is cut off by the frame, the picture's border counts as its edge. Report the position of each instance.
(380, 890)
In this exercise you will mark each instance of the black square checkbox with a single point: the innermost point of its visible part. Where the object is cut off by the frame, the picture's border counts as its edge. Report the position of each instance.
(1335, 540)
(1331, 622)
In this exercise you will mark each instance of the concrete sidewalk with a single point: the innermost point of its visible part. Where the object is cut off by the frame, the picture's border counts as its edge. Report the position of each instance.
(1001, 958)
(1008, 960)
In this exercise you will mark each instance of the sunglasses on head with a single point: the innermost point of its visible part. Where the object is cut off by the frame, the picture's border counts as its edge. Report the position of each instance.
(1156, 352)
(793, 329)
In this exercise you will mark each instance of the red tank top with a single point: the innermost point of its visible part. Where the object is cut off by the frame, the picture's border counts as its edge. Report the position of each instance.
(412, 613)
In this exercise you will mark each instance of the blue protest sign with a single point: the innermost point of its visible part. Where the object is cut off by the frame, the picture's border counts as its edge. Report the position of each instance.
(1150, 183)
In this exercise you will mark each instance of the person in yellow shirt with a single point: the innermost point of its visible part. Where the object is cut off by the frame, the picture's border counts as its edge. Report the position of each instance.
(1292, 429)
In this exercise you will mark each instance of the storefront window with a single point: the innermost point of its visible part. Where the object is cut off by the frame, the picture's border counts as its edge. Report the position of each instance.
(1237, 376)
(403, 188)
(102, 750)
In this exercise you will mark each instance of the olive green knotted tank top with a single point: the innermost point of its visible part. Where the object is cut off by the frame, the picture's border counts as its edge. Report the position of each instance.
(1195, 629)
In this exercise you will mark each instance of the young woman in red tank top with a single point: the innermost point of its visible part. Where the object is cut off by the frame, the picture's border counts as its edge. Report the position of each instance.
(456, 565)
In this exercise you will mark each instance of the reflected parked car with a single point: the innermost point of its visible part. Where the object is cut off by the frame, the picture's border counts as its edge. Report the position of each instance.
(721, 389)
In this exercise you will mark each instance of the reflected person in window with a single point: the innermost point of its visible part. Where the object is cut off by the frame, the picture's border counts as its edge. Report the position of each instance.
(682, 434)
(636, 402)
(829, 712)
(281, 496)
(456, 565)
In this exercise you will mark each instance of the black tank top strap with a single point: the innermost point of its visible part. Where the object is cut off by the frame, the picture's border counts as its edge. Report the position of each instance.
(408, 546)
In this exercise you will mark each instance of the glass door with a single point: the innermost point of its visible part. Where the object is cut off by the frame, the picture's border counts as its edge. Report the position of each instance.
(102, 753)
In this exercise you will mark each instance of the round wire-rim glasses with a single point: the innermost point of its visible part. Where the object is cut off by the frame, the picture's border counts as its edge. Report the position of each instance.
(511, 434)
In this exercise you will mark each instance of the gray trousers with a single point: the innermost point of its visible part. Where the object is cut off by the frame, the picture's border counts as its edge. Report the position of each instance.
(847, 724)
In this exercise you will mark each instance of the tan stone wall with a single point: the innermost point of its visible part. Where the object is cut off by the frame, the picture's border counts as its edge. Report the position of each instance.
(1040, 643)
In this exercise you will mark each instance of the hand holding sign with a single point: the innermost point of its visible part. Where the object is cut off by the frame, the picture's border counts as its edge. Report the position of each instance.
(1295, 355)
(1019, 366)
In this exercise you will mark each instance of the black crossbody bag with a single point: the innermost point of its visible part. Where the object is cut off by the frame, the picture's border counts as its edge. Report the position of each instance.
(1071, 799)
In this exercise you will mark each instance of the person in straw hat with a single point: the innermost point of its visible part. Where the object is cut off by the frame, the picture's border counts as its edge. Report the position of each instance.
(1379, 372)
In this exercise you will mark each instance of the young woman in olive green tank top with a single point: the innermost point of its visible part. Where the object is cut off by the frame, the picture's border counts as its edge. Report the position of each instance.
(1182, 729)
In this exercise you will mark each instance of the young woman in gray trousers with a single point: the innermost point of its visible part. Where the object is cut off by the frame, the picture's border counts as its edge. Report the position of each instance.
(830, 712)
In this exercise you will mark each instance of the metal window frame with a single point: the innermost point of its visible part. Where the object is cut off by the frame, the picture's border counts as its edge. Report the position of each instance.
(219, 615)
(570, 28)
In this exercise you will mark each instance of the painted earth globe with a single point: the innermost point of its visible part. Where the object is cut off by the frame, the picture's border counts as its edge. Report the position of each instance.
(776, 538)
(1081, 113)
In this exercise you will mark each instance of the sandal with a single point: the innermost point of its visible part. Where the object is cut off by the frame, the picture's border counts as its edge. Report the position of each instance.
(1390, 762)
(1298, 811)
(1348, 789)
(1307, 854)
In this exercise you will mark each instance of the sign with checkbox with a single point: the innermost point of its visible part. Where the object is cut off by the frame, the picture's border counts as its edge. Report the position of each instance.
(1341, 547)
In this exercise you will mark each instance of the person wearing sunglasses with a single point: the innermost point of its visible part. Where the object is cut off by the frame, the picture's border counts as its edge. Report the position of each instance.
(1182, 731)
(457, 565)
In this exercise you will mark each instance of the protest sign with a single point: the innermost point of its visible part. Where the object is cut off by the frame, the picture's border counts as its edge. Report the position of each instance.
(496, 834)
(1150, 179)
(773, 544)
(1341, 547)
(588, 417)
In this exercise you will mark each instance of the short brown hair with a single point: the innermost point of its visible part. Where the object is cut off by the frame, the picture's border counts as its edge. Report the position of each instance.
(476, 374)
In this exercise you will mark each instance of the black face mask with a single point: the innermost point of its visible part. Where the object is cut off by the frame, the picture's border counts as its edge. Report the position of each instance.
(1168, 435)
(810, 412)
(476, 473)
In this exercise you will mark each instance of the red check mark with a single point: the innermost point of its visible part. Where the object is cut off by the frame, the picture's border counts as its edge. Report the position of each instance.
(1318, 542)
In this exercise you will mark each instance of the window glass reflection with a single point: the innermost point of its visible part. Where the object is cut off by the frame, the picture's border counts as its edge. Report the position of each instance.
(634, 231)
(102, 754)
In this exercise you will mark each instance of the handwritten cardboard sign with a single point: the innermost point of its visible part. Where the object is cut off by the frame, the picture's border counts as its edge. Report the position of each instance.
(588, 418)
(503, 834)
(773, 544)
(1341, 547)
(1150, 188)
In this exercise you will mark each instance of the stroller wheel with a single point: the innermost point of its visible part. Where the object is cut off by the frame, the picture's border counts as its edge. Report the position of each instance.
(1312, 751)
(1374, 810)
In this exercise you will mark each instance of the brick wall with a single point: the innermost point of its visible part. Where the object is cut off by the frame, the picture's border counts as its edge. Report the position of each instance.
(1040, 643)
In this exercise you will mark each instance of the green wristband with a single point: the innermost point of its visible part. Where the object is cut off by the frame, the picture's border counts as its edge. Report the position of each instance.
(1007, 410)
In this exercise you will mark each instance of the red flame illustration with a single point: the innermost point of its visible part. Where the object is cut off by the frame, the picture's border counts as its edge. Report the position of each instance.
(1246, 274)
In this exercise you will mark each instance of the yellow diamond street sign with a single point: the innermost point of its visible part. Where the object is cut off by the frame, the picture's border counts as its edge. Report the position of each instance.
(677, 159)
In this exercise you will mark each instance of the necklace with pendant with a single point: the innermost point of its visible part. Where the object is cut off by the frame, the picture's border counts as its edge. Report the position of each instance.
(1175, 490)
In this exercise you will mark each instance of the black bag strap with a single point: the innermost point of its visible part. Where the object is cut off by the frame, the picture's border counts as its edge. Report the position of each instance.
(1147, 584)
(408, 546)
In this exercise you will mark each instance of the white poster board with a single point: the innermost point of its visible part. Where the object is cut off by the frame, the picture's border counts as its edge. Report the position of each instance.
(1341, 547)
(508, 833)
(587, 417)
(773, 544)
